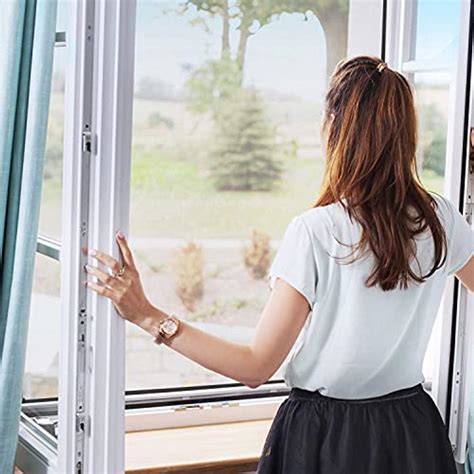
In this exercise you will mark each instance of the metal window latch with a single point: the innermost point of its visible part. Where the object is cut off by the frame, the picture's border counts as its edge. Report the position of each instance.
(87, 142)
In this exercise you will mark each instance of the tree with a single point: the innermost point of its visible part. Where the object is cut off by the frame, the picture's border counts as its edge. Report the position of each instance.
(252, 15)
(244, 157)
(214, 82)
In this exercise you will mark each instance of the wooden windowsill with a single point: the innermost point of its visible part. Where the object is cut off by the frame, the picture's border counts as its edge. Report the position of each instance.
(217, 448)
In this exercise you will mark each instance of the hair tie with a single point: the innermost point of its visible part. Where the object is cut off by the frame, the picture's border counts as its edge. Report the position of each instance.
(381, 66)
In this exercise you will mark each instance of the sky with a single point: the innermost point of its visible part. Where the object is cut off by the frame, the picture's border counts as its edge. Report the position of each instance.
(287, 56)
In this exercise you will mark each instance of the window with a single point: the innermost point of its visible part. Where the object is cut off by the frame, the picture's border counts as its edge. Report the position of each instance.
(431, 65)
(51, 198)
(193, 209)
(41, 366)
(41, 370)
(177, 198)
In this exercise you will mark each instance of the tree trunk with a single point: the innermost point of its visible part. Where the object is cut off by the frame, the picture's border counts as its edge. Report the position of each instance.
(225, 29)
(335, 26)
(242, 49)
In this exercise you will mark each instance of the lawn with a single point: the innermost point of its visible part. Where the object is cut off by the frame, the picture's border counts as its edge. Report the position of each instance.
(173, 197)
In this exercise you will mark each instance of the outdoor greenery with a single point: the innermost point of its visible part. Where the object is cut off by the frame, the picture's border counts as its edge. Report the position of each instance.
(258, 255)
(235, 156)
(250, 16)
(189, 277)
(432, 144)
(244, 155)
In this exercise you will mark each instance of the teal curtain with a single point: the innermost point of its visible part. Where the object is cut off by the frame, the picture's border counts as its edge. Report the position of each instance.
(27, 32)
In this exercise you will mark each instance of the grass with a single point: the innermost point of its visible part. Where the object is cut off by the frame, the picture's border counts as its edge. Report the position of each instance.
(173, 197)
(176, 199)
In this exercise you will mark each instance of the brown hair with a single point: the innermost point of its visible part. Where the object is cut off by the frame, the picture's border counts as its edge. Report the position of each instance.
(370, 130)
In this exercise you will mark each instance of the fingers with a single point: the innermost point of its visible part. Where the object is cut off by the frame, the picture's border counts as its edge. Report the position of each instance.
(103, 277)
(105, 259)
(111, 262)
(100, 289)
(125, 249)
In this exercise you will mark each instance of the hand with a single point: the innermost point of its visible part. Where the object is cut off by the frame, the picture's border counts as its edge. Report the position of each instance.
(125, 291)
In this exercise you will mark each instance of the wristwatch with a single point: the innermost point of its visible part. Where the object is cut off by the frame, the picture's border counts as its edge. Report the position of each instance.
(167, 328)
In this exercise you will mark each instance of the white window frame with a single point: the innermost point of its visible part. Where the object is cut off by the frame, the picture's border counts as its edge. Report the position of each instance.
(99, 87)
(451, 379)
(96, 180)
(94, 94)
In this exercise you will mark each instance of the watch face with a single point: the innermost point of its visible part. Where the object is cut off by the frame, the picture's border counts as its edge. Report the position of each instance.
(169, 326)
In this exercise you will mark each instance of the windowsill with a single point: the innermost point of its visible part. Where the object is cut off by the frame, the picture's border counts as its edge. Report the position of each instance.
(212, 448)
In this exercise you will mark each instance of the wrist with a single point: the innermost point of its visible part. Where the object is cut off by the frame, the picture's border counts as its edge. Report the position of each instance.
(149, 322)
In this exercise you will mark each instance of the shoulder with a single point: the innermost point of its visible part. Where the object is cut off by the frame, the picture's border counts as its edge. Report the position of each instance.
(320, 214)
(318, 223)
(444, 202)
(304, 227)
(323, 217)
(441, 201)
(445, 208)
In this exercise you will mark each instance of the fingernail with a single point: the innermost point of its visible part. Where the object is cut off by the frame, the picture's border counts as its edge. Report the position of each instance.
(86, 267)
(120, 234)
(92, 252)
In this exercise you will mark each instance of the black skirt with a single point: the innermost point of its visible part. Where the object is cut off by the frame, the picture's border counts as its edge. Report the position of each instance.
(401, 432)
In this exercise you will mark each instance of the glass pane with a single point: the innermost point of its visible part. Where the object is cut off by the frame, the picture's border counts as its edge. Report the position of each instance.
(436, 45)
(42, 350)
(51, 199)
(195, 87)
(432, 104)
(437, 31)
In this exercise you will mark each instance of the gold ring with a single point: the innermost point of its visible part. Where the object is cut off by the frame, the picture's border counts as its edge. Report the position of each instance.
(119, 273)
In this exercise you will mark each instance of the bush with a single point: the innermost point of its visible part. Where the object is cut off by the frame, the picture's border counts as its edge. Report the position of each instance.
(156, 119)
(188, 264)
(435, 153)
(432, 145)
(257, 256)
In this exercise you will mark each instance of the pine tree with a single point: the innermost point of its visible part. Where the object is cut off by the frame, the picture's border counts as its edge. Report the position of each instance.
(244, 156)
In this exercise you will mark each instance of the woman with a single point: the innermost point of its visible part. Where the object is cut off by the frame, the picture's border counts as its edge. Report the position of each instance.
(357, 404)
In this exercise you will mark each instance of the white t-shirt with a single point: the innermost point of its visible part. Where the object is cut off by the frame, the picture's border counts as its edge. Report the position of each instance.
(361, 342)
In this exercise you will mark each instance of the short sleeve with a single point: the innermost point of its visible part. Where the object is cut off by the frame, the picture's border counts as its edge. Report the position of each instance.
(460, 238)
(295, 261)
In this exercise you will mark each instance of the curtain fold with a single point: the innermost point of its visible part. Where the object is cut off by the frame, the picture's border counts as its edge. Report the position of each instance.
(27, 32)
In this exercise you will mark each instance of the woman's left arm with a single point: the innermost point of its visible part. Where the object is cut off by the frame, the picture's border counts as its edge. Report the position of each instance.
(281, 321)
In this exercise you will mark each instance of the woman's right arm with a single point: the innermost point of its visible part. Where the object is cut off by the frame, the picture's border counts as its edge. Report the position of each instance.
(466, 274)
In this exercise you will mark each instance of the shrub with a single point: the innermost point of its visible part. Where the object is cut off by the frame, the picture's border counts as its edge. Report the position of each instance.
(156, 119)
(435, 153)
(257, 256)
(432, 144)
(188, 264)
